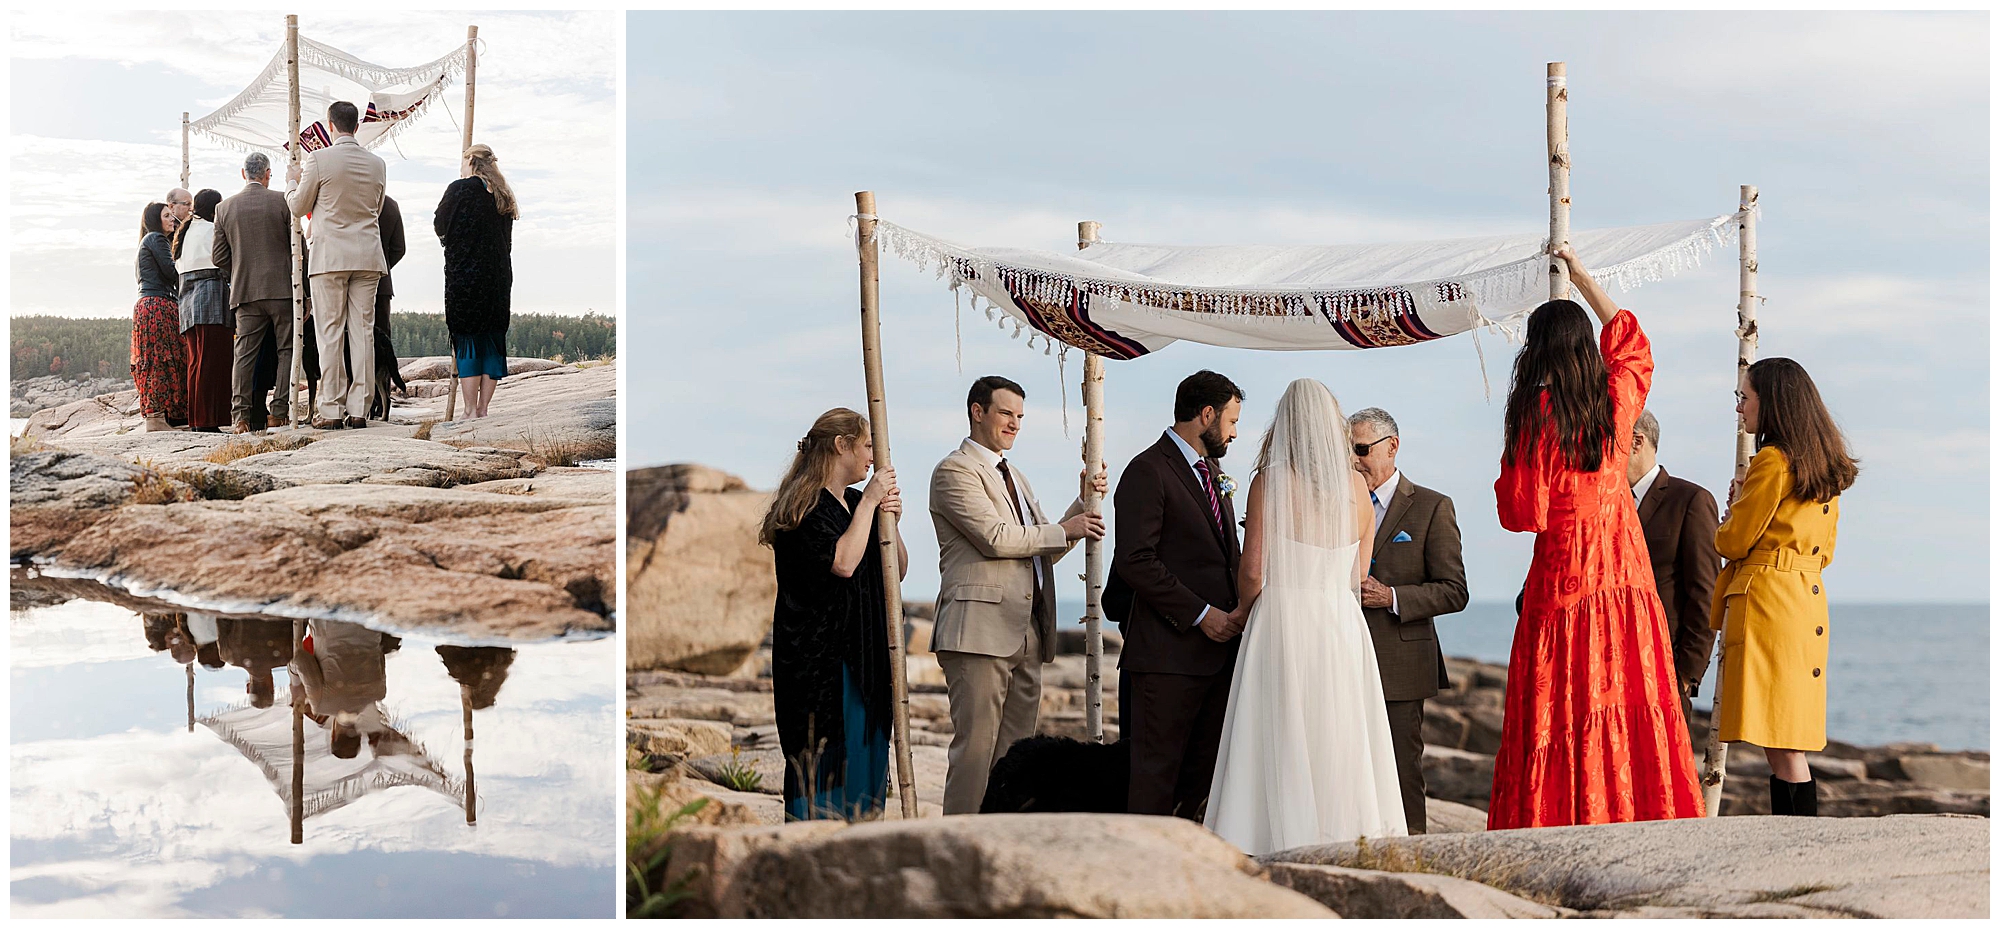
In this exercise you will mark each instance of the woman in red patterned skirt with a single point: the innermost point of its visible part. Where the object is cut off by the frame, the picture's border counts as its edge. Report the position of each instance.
(1593, 730)
(159, 357)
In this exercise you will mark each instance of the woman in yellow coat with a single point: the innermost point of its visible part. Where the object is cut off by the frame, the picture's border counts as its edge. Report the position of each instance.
(1769, 599)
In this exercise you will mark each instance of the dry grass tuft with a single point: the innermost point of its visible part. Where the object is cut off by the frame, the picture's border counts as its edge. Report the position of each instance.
(565, 449)
(424, 429)
(1508, 877)
(23, 445)
(152, 488)
(238, 449)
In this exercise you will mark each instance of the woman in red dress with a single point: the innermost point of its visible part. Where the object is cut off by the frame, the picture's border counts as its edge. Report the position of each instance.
(1593, 730)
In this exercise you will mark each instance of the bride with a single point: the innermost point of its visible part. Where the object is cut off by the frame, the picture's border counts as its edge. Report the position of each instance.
(1305, 756)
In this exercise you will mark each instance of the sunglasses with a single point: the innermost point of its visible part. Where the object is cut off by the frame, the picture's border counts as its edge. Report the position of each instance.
(1361, 450)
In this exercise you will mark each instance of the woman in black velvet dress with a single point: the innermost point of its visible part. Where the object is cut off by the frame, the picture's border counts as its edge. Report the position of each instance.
(475, 221)
(830, 644)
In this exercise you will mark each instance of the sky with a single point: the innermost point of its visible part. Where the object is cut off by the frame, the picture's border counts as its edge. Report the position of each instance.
(95, 134)
(1867, 134)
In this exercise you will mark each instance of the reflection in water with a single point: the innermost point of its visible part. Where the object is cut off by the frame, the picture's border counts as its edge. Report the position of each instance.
(351, 772)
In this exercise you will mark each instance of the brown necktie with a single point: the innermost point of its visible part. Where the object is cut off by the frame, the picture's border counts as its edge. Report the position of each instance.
(1014, 500)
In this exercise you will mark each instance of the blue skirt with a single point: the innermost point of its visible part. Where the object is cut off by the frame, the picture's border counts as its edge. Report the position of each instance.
(860, 789)
(481, 354)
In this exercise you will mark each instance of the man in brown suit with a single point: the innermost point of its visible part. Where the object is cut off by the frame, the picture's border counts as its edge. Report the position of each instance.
(341, 188)
(1679, 520)
(1418, 574)
(253, 247)
(996, 609)
(1172, 592)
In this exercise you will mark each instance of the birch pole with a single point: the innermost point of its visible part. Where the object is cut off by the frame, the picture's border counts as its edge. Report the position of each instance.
(471, 790)
(1558, 177)
(184, 150)
(1093, 502)
(1715, 759)
(298, 805)
(885, 523)
(301, 416)
(190, 700)
(465, 142)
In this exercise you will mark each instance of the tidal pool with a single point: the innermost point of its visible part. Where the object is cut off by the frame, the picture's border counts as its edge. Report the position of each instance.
(159, 767)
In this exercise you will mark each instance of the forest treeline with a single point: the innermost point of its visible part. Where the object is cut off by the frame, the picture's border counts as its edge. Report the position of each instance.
(76, 348)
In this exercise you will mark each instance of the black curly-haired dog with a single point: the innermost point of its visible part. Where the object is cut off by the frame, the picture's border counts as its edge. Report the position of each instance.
(1051, 774)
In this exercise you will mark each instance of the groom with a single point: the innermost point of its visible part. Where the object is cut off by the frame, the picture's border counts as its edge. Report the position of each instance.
(1173, 592)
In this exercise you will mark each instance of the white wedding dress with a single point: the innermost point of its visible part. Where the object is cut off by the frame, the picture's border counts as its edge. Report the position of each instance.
(1306, 757)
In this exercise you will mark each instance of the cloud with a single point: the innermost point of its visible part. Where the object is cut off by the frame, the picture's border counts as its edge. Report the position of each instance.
(1006, 129)
(547, 104)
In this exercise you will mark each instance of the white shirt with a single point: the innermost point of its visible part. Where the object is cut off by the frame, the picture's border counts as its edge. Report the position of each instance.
(1381, 496)
(992, 460)
(197, 246)
(1645, 484)
(1188, 452)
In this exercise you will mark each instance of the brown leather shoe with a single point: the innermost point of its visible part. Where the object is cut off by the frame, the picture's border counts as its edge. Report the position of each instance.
(281, 422)
(356, 422)
(327, 424)
(241, 427)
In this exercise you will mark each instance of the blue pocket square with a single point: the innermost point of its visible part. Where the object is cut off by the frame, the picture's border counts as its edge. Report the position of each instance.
(1401, 537)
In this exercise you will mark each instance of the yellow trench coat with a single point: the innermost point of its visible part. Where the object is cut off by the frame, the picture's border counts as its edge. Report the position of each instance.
(1774, 672)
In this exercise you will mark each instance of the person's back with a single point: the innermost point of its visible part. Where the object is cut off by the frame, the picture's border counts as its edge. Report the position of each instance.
(346, 209)
(253, 244)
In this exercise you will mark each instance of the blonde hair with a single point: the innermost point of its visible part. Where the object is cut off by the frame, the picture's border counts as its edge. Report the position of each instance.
(486, 167)
(798, 493)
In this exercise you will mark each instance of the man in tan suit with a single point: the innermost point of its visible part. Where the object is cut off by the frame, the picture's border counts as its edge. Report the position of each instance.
(341, 188)
(996, 610)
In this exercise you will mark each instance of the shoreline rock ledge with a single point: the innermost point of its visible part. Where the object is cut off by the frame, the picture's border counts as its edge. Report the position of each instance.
(492, 534)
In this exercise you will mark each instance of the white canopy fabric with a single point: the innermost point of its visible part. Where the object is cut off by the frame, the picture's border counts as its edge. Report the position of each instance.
(265, 737)
(259, 118)
(1123, 301)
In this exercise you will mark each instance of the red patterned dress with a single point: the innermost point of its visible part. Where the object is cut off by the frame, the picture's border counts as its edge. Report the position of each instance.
(1593, 730)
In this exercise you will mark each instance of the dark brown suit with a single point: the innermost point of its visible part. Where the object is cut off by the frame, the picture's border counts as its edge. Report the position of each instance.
(1170, 562)
(1679, 521)
(253, 246)
(1417, 552)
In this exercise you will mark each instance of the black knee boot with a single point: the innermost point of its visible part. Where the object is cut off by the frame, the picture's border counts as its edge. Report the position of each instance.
(1805, 798)
(1781, 797)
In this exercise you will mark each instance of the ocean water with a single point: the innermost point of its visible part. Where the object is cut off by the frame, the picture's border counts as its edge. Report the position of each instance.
(1899, 672)
(142, 786)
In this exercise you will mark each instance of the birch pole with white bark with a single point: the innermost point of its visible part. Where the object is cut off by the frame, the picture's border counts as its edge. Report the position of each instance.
(1093, 503)
(885, 522)
(465, 142)
(1715, 759)
(301, 417)
(184, 150)
(1558, 115)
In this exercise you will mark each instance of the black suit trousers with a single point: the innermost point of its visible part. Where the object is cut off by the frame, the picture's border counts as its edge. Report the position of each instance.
(1176, 731)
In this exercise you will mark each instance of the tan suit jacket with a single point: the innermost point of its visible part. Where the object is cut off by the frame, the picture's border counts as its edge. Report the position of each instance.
(986, 598)
(341, 188)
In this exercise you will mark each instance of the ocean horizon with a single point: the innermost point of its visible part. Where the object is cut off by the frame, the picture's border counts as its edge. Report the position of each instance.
(1899, 672)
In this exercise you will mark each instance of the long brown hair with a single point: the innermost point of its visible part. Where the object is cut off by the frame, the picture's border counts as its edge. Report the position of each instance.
(486, 167)
(798, 493)
(150, 221)
(1791, 416)
(1561, 357)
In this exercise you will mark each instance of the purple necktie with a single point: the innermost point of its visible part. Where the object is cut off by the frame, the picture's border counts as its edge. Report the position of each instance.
(1208, 486)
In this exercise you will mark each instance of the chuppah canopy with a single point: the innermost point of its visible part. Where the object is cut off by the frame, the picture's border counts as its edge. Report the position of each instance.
(1122, 301)
(390, 98)
(265, 737)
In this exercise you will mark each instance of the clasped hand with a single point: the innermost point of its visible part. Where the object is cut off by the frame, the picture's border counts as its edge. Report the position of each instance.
(1376, 594)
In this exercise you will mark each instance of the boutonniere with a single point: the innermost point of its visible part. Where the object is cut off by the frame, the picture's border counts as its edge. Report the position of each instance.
(1226, 484)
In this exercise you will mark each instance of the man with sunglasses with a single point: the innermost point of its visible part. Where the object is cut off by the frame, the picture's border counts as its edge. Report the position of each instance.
(1418, 574)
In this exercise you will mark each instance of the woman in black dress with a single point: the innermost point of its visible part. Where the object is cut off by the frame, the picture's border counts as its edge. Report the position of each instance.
(475, 220)
(829, 641)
